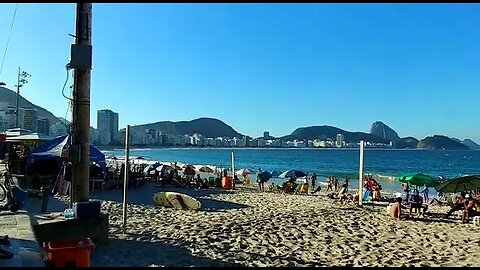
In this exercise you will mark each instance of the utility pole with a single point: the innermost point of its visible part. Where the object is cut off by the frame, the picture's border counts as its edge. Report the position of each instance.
(81, 63)
(21, 80)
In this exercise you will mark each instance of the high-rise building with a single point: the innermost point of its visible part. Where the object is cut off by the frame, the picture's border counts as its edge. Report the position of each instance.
(340, 140)
(43, 126)
(107, 126)
(58, 129)
(266, 135)
(28, 119)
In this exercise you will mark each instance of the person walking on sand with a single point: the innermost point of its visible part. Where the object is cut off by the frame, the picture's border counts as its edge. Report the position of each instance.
(345, 184)
(406, 188)
(425, 194)
(314, 181)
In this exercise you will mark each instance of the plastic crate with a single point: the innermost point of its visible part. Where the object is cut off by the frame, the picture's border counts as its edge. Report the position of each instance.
(74, 253)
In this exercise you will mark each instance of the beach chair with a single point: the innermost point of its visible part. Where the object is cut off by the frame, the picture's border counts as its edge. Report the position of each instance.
(476, 219)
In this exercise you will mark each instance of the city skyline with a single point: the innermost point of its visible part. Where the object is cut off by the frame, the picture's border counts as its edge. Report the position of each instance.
(412, 66)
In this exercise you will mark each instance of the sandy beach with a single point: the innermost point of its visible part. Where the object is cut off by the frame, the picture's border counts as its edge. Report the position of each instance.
(249, 228)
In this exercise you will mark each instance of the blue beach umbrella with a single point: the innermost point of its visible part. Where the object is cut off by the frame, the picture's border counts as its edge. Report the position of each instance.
(264, 176)
(151, 167)
(276, 173)
(292, 173)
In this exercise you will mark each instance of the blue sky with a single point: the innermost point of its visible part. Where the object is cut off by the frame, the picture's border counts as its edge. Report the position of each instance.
(261, 67)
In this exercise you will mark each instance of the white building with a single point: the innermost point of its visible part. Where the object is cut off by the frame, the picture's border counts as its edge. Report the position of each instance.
(340, 142)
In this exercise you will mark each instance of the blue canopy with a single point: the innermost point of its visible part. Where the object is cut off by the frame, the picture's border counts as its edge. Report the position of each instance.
(52, 150)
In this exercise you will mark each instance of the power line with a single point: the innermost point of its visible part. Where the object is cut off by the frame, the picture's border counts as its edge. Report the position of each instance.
(8, 40)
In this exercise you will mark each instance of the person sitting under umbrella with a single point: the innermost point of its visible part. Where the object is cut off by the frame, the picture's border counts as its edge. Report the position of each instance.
(471, 206)
(416, 202)
(457, 205)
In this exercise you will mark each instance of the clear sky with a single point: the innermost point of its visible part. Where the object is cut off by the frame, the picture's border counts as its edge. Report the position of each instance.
(258, 67)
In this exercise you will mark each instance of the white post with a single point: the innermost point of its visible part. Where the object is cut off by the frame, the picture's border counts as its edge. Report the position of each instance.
(360, 175)
(233, 170)
(125, 177)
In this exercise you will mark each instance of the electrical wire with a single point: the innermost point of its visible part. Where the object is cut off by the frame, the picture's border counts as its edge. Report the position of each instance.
(70, 100)
(8, 40)
(65, 84)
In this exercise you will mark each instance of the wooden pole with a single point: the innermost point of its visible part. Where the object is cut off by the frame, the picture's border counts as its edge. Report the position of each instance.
(81, 110)
(125, 177)
(360, 175)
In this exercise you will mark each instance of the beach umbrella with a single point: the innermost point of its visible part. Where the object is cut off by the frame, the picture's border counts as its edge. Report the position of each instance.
(189, 170)
(275, 173)
(464, 183)
(264, 176)
(151, 167)
(419, 179)
(159, 168)
(292, 173)
(243, 172)
(206, 169)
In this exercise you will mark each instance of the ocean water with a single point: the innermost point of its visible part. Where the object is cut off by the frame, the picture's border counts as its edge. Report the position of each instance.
(383, 164)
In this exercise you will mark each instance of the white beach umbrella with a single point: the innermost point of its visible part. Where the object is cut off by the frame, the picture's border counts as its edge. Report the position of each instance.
(243, 172)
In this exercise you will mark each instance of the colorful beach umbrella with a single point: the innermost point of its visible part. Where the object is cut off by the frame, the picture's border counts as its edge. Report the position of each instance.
(419, 179)
(459, 184)
(292, 173)
(206, 169)
(243, 172)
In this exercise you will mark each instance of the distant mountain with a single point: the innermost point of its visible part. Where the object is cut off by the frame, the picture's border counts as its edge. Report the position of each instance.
(438, 142)
(381, 130)
(9, 96)
(324, 132)
(407, 142)
(208, 127)
(469, 143)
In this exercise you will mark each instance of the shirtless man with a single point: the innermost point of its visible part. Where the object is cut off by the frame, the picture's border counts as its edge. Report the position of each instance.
(471, 207)
(396, 209)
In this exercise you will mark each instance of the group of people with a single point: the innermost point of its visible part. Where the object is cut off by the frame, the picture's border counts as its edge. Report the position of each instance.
(17, 157)
(468, 203)
(425, 192)
(372, 187)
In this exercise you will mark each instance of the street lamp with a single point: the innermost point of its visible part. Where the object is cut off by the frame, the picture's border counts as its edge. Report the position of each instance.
(21, 80)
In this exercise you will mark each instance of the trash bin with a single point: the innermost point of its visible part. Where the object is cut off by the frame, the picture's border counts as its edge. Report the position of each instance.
(218, 182)
(63, 253)
(227, 182)
(211, 181)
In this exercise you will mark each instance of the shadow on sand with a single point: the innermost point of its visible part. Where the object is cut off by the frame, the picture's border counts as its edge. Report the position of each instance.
(143, 253)
(144, 195)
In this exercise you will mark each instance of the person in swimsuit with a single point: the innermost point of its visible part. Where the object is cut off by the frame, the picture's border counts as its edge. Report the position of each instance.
(396, 209)
(471, 207)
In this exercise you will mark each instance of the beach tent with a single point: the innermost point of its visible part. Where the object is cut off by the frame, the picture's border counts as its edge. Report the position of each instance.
(52, 150)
